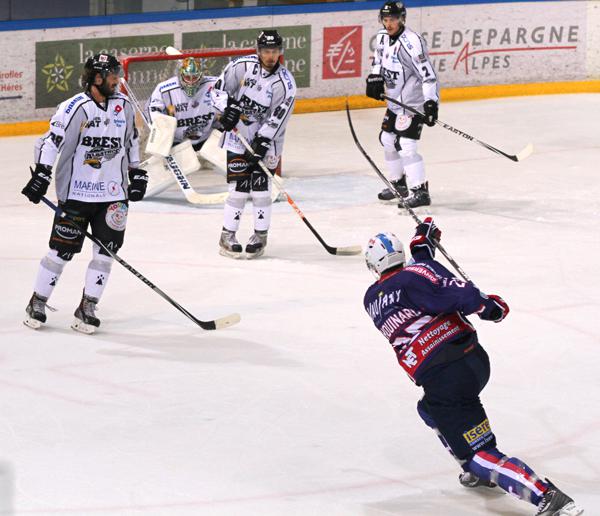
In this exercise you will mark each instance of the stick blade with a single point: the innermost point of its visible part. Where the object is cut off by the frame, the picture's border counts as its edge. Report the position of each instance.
(348, 251)
(228, 320)
(526, 152)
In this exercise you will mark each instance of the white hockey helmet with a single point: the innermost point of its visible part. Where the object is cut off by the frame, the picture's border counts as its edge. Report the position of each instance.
(384, 251)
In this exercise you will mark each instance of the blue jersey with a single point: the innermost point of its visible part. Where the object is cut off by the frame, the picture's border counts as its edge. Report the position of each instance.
(421, 309)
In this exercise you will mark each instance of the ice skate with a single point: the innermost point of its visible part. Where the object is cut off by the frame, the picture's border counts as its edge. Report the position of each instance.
(556, 503)
(387, 196)
(229, 245)
(468, 479)
(419, 196)
(36, 311)
(85, 317)
(256, 245)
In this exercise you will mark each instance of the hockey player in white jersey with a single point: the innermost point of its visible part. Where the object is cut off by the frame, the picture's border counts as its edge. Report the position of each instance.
(186, 96)
(96, 175)
(255, 94)
(401, 66)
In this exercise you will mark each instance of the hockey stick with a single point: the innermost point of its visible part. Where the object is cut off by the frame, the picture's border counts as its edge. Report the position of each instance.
(190, 194)
(400, 198)
(172, 51)
(525, 153)
(350, 250)
(215, 324)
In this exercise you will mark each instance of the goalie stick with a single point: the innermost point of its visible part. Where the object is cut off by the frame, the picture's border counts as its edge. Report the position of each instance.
(525, 153)
(399, 197)
(215, 324)
(350, 250)
(190, 194)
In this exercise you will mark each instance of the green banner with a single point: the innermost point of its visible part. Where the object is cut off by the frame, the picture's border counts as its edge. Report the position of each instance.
(296, 46)
(59, 64)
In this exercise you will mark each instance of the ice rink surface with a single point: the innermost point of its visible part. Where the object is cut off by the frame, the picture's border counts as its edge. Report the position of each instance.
(301, 409)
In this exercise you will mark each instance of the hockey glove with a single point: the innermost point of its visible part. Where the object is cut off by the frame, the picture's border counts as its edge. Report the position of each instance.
(231, 115)
(37, 186)
(138, 181)
(427, 236)
(375, 86)
(431, 112)
(494, 309)
(260, 146)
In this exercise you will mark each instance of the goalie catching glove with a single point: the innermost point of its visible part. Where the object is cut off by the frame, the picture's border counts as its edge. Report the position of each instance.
(427, 236)
(138, 181)
(37, 186)
(260, 146)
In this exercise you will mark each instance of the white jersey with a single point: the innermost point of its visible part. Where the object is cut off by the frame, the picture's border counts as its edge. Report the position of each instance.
(97, 145)
(266, 99)
(195, 115)
(403, 62)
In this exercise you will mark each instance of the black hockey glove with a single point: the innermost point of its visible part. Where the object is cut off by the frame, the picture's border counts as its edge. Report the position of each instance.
(427, 236)
(494, 309)
(37, 186)
(431, 112)
(231, 115)
(260, 146)
(138, 181)
(375, 87)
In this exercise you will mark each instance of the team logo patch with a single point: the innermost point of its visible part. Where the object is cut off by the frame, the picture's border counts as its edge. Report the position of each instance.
(403, 122)
(116, 216)
(481, 432)
(113, 188)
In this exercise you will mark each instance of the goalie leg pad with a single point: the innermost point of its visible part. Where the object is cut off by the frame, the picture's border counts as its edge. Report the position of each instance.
(162, 133)
(211, 151)
(185, 157)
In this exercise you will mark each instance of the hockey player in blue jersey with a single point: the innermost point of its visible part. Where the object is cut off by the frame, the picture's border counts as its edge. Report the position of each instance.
(421, 309)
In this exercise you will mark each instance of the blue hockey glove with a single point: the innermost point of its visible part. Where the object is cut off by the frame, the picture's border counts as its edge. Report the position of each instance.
(431, 112)
(138, 181)
(260, 146)
(494, 309)
(37, 186)
(375, 87)
(427, 236)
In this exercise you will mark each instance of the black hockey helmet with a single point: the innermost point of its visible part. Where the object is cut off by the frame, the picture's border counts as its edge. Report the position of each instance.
(269, 39)
(392, 9)
(103, 64)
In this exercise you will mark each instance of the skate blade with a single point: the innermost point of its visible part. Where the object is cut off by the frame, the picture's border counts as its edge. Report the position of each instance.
(80, 326)
(32, 323)
(570, 510)
(257, 254)
(230, 254)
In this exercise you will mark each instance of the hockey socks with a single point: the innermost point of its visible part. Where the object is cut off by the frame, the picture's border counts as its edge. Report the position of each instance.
(510, 473)
(97, 274)
(51, 268)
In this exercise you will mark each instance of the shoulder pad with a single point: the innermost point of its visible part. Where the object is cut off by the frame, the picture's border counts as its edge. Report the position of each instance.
(411, 42)
(169, 84)
(69, 104)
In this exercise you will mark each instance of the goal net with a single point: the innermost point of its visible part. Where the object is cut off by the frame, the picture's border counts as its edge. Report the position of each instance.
(144, 71)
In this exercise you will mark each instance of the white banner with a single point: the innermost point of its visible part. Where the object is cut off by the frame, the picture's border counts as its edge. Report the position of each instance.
(329, 53)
